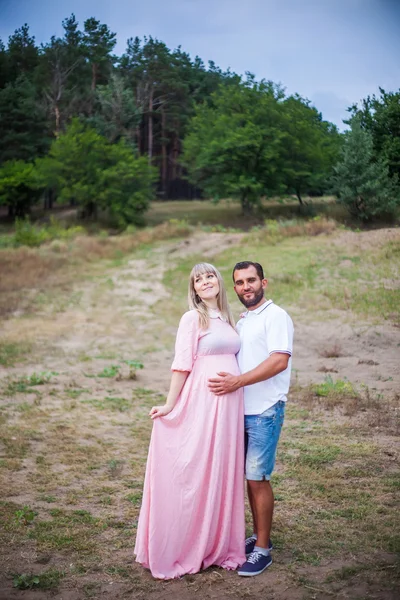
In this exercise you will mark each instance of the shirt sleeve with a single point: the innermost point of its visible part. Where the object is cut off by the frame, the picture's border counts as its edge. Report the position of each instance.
(186, 342)
(279, 333)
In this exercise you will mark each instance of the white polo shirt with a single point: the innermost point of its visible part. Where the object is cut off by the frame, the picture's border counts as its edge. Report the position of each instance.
(263, 331)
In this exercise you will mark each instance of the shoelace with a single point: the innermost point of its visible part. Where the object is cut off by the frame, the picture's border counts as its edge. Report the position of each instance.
(250, 540)
(254, 557)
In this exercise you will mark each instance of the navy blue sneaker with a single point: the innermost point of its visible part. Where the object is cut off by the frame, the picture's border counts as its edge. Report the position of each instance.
(255, 564)
(251, 542)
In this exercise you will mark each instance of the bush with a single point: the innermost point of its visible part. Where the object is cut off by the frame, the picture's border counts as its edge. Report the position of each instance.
(27, 234)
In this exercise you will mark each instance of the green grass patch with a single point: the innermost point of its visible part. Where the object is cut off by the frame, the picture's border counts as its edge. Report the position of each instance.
(135, 498)
(75, 393)
(335, 388)
(110, 403)
(25, 515)
(25, 383)
(42, 581)
(12, 353)
(47, 498)
(111, 371)
(72, 530)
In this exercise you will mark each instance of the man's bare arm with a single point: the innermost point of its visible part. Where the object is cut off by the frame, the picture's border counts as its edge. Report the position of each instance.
(226, 383)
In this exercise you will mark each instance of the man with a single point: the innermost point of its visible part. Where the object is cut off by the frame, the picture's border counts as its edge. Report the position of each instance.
(266, 334)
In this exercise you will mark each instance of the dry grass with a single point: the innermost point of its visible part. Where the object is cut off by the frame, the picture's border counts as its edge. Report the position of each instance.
(274, 231)
(371, 408)
(333, 351)
(368, 362)
(327, 370)
(316, 226)
(25, 271)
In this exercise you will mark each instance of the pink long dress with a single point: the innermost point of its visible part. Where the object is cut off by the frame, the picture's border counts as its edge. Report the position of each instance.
(192, 513)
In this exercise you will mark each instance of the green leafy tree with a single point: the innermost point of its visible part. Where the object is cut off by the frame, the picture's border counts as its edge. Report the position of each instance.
(310, 148)
(19, 187)
(233, 147)
(361, 182)
(82, 166)
(127, 185)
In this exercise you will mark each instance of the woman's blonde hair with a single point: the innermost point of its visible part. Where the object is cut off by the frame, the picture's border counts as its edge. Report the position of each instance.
(196, 303)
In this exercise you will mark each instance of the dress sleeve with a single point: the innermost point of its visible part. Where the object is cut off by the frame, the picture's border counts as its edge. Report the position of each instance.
(186, 342)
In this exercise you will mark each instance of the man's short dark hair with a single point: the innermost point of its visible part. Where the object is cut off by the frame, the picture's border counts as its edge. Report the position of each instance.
(245, 265)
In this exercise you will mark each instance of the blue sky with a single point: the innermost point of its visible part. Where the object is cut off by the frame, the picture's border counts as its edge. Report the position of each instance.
(334, 52)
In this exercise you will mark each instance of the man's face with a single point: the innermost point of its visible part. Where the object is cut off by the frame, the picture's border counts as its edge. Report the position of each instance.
(249, 287)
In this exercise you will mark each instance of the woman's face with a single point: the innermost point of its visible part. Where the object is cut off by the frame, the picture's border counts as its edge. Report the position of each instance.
(206, 286)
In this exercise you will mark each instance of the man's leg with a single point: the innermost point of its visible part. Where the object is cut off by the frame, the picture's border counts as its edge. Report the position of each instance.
(261, 500)
(262, 435)
(252, 508)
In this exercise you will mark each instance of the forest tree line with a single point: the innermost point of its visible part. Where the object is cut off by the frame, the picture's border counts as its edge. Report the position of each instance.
(81, 125)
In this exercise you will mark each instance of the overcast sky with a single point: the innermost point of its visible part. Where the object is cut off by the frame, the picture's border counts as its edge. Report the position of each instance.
(334, 52)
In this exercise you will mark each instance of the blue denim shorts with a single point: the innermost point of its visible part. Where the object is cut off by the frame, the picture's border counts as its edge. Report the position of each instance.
(261, 440)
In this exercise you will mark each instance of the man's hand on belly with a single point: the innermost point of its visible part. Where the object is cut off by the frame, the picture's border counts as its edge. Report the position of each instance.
(225, 383)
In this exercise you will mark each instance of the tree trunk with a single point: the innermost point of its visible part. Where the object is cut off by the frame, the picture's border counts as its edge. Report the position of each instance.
(175, 154)
(90, 210)
(57, 114)
(94, 76)
(299, 197)
(138, 140)
(164, 155)
(150, 141)
(247, 207)
(50, 198)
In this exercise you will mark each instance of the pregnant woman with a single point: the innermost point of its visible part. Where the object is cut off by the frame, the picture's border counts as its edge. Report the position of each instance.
(192, 513)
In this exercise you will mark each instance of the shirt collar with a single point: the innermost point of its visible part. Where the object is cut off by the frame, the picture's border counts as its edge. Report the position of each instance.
(258, 310)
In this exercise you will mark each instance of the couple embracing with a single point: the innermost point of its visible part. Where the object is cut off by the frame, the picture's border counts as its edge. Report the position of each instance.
(222, 418)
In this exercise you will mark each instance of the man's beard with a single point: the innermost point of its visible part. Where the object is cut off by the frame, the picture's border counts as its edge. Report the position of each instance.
(252, 301)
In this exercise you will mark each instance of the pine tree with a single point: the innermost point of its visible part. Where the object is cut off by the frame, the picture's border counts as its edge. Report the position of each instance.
(24, 132)
(23, 54)
(3, 65)
(116, 116)
(362, 183)
(98, 42)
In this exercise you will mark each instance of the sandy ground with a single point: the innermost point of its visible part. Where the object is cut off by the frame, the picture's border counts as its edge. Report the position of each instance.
(365, 353)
